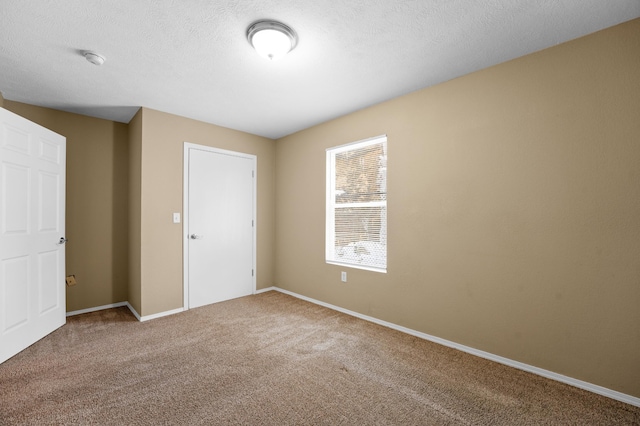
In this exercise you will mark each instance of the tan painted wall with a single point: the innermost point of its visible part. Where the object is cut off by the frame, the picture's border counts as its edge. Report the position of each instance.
(163, 137)
(135, 217)
(96, 206)
(1, 101)
(513, 212)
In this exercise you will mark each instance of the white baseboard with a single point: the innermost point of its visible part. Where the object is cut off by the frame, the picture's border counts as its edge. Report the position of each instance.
(264, 290)
(160, 314)
(153, 316)
(619, 396)
(133, 311)
(97, 308)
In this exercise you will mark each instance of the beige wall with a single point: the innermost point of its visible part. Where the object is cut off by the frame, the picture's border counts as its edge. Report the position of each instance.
(135, 217)
(513, 212)
(96, 205)
(1, 101)
(163, 137)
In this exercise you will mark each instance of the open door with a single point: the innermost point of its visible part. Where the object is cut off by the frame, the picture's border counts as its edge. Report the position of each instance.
(32, 214)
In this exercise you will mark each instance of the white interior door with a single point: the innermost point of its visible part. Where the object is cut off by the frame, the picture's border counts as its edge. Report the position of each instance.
(32, 182)
(219, 225)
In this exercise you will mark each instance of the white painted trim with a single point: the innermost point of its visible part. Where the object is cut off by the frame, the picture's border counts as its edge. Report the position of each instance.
(133, 311)
(264, 290)
(160, 314)
(619, 396)
(185, 225)
(97, 308)
(185, 212)
(153, 316)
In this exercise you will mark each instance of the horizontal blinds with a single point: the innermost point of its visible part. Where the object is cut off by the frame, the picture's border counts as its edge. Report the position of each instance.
(359, 204)
(358, 236)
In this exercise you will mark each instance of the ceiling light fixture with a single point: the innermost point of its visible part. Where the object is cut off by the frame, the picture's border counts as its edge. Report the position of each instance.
(271, 39)
(94, 58)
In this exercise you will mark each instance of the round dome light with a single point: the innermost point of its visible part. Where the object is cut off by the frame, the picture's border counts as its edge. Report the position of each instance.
(271, 39)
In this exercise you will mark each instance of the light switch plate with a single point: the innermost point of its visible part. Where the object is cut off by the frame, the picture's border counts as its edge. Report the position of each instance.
(176, 218)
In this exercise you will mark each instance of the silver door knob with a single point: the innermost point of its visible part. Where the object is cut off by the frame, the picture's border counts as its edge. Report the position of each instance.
(196, 237)
(62, 241)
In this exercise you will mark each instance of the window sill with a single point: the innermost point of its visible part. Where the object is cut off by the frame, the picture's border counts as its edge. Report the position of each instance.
(352, 265)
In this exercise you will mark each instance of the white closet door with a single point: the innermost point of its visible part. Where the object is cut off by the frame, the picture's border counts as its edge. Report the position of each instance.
(220, 234)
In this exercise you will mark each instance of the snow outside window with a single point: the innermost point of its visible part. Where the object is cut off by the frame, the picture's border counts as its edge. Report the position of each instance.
(356, 228)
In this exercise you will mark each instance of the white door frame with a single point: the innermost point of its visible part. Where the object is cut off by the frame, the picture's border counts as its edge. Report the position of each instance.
(185, 212)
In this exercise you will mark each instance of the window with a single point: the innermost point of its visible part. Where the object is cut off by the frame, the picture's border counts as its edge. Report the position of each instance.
(356, 228)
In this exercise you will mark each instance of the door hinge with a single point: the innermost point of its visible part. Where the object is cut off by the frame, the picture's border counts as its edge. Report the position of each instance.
(253, 173)
(252, 224)
(252, 272)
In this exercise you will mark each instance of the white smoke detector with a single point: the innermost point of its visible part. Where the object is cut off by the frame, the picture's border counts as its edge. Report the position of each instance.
(94, 58)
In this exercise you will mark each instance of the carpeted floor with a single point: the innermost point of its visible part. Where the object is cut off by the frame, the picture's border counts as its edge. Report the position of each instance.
(272, 359)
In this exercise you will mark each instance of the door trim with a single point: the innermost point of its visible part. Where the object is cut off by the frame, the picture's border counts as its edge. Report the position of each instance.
(185, 212)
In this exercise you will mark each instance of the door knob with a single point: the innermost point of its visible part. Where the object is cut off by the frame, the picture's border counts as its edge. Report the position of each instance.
(196, 237)
(62, 241)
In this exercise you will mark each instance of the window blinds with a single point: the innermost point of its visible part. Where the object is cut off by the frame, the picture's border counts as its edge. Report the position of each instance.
(357, 204)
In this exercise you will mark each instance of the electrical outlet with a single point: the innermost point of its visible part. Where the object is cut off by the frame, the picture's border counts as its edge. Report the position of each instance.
(343, 276)
(176, 218)
(71, 280)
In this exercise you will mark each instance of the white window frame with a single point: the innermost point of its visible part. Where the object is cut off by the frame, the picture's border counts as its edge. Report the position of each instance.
(331, 205)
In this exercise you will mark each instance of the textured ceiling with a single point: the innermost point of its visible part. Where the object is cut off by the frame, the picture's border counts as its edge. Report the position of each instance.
(191, 57)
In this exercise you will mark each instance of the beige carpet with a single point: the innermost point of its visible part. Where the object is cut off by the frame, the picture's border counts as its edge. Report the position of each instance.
(272, 359)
